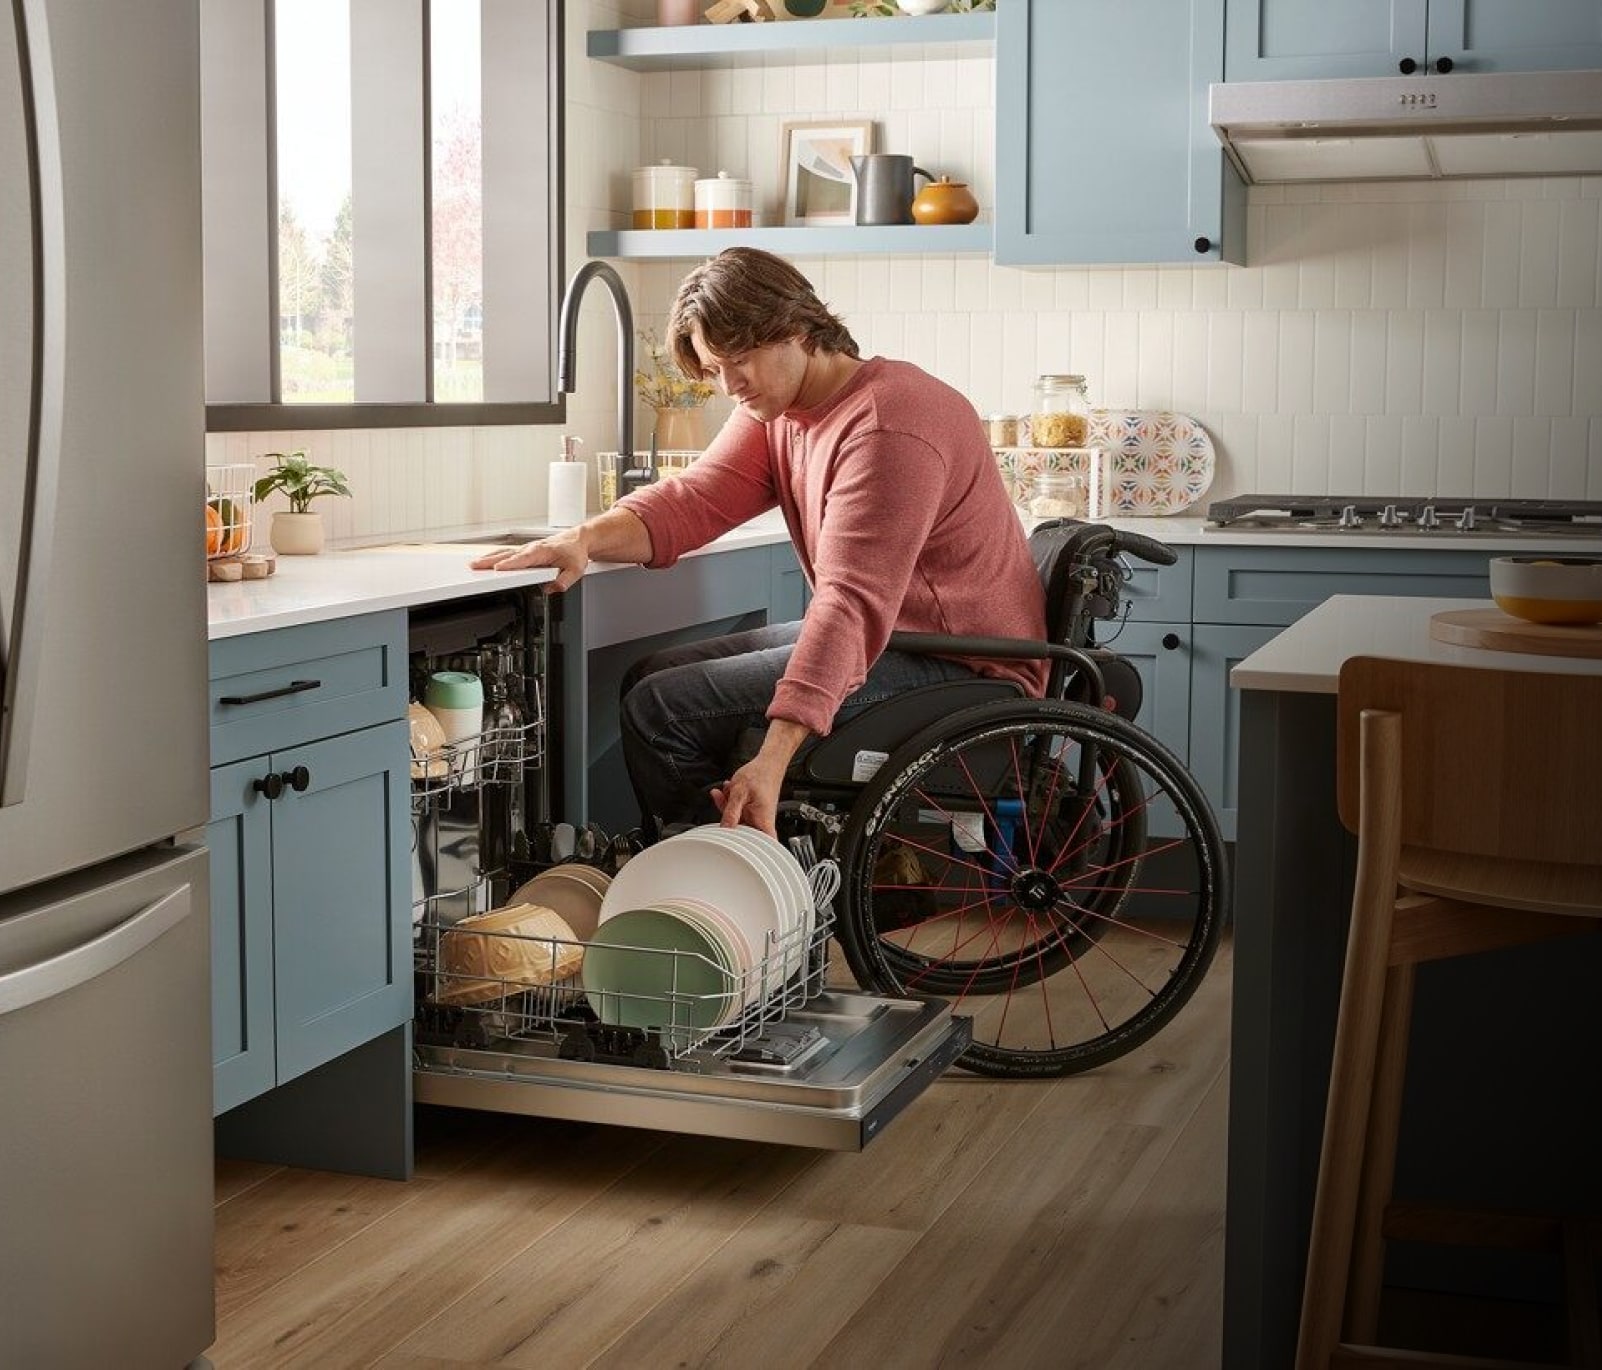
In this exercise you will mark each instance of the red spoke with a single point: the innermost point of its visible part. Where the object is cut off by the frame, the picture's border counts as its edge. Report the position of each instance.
(1045, 998)
(1090, 804)
(944, 856)
(995, 827)
(1144, 854)
(1126, 926)
(1023, 800)
(1045, 812)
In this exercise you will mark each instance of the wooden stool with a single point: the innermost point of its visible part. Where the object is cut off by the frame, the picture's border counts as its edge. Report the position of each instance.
(1476, 797)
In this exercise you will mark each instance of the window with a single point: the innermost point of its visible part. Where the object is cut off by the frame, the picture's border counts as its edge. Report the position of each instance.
(381, 185)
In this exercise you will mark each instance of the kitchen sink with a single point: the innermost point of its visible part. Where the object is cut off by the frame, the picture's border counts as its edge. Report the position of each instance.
(512, 537)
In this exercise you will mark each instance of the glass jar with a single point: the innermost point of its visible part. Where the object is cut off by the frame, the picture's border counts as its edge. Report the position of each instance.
(1059, 495)
(1002, 430)
(1061, 416)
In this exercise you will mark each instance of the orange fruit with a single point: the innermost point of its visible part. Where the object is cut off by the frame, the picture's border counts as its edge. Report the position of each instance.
(214, 532)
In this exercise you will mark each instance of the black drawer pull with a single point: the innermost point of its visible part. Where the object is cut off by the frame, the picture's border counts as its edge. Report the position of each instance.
(298, 779)
(294, 687)
(1170, 641)
(270, 785)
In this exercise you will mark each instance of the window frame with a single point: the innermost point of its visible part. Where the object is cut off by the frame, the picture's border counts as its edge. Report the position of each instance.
(278, 416)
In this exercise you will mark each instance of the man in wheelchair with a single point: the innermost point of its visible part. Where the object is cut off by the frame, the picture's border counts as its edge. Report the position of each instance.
(1007, 838)
(899, 517)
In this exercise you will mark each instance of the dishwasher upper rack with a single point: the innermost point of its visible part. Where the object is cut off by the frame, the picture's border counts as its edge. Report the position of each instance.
(789, 974)
(495, 756)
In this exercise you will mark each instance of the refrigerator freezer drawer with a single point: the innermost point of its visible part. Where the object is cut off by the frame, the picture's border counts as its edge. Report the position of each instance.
(106, 1147)
(870, 1057)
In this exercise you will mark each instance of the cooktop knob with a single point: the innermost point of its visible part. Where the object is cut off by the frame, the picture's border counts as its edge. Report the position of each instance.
(1428, 518)
(1349, 517)
(1390, 517)
(1465, 520)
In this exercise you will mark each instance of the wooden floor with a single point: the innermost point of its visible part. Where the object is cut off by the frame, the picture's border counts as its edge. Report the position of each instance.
(1071, 1223)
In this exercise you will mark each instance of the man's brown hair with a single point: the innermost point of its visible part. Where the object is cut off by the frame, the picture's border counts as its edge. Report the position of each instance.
(743, 299)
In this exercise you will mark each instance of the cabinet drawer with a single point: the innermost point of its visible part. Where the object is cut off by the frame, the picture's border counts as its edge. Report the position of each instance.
(294, 685)
(1160, 594)
(1274, 586)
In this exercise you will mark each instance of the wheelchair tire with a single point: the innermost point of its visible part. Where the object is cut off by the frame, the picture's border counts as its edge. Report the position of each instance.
(1067, 882)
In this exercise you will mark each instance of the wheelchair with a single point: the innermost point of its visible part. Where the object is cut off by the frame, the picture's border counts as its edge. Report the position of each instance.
(1044, 864)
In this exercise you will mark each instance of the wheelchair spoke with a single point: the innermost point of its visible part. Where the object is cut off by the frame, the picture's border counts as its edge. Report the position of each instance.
(1102, 948)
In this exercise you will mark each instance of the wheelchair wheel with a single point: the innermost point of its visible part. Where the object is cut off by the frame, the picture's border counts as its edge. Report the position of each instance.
(1050, 868)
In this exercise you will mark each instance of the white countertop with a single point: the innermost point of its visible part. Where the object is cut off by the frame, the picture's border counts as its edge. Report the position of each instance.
(1306, 657)
(366, 580)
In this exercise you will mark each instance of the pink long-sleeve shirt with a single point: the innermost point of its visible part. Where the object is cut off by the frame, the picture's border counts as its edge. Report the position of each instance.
(899, 518)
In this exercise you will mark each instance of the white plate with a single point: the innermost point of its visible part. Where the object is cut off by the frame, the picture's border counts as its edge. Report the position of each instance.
(778, 861)
(689, 866)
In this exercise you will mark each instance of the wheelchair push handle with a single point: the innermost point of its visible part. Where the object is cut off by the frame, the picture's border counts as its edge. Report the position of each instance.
(1147, 549)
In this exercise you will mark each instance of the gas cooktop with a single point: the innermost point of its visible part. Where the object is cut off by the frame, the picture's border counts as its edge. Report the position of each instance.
(1432, 514)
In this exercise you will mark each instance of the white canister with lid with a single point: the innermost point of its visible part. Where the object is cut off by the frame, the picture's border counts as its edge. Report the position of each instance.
(723, 201)
(664, 196)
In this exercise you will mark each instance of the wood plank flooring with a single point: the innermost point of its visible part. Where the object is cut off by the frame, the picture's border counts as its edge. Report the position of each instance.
(1069, 1223)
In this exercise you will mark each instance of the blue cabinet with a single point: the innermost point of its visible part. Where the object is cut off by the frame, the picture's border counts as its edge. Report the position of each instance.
(309, 838)
(1103, 148)
(1269, 40)
(1215, 650)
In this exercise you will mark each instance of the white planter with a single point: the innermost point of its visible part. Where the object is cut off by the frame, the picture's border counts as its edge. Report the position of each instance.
(297, 535)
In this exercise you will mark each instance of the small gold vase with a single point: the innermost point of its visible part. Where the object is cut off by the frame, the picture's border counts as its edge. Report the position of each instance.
(680, 430)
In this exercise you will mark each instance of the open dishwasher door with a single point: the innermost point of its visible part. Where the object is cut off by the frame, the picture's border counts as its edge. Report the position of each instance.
(831, 1075)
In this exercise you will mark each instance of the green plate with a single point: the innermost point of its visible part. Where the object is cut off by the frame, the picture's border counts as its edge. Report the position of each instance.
(647, 968)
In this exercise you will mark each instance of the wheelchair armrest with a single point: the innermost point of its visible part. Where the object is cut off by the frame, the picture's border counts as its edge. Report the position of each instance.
(1094, 685)
(1012, 648)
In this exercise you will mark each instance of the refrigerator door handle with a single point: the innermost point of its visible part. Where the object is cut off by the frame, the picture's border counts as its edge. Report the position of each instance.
(57, 974)
(19, 682)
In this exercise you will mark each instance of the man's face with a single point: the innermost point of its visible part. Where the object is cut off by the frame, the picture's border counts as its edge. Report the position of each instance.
(765, 381)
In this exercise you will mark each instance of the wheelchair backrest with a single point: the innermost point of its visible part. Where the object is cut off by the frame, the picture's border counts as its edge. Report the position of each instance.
(1061, 549)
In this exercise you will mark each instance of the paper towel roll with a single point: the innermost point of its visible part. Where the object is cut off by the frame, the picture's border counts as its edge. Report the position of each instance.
(569, 481)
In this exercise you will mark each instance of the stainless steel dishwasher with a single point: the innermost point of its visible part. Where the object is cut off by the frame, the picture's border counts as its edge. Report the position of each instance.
(805, 1065)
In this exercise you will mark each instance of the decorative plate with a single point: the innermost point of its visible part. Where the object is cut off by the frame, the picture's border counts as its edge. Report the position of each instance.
(1157, 462)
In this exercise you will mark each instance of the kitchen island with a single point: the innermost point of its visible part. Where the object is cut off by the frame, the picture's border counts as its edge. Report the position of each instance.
(1503, 1043)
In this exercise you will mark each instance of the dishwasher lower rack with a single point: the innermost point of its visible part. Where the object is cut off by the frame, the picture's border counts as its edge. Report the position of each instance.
(470, 993)
(802, 1065)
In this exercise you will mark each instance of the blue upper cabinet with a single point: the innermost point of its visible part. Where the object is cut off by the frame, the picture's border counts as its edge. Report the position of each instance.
(1288, 40)
(1273, 40)
(1103, 148)
(1516, 35)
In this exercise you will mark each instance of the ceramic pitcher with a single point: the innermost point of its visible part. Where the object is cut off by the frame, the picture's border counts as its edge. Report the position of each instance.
(885, 187)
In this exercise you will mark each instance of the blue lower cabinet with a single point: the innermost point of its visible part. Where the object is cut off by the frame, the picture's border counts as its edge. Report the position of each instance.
(240, 837)
(789, 592)
(1161, 653)
(341, 896)
(1215, 712)
(1104, 148)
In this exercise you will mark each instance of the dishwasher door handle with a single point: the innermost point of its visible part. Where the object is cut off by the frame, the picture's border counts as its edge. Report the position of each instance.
(57, 974)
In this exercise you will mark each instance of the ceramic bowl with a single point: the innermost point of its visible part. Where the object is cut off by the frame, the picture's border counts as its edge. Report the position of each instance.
(1548, 589)
(921, 6)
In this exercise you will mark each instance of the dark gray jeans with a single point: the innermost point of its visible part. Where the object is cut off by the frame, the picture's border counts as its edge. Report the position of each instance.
(684, 711)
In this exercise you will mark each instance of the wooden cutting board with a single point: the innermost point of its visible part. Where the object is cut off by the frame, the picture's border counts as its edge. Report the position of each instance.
(1499, 632)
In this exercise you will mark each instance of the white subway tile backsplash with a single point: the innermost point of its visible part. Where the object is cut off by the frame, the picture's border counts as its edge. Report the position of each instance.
(1532, 457)
(1426, 255)
(1276, 449)
(1309, 454)
(1493, 458)
(1454, 465)
(1120, 363)
(1501, 263)
(1539, 225)
(1515, 363)
(1404, 362)
(1477, 383)
(1332, 361)
(1259, 392)
(1566, 478)
(1226, 348)
(1154, 342)
(1554, 362)
(1420, 446)
(1295, 362)
(1577, 254)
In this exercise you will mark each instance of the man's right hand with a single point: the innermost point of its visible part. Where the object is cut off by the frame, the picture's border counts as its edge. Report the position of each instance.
(567, 551)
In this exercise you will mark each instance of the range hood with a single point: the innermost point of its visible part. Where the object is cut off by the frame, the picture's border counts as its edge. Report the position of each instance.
(1393, 128)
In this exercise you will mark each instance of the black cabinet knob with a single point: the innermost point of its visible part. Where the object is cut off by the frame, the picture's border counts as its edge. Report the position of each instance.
(1204, 244)
(298, 779)
(1444, 65)
(1170, 641)
(1407, 66)
(270, 785)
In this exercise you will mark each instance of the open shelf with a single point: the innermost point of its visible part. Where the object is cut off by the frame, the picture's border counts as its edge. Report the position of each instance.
(800, 40)
(907, 239)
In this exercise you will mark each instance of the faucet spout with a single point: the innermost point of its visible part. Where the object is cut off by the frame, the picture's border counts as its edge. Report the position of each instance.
(567, 347)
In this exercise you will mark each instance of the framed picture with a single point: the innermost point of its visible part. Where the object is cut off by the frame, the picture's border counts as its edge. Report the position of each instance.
(819, 185)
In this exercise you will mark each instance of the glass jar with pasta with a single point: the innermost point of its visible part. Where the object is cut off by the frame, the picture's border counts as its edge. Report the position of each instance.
(1061, 416)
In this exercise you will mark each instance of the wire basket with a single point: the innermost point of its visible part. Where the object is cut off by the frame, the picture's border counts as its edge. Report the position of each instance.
(229, 497)
(496, 756)
(547, 1000)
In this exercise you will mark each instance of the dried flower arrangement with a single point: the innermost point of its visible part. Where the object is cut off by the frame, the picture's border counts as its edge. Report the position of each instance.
(664, 386)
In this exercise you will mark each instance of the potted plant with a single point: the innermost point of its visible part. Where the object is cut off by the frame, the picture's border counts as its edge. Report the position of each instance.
(298, 531)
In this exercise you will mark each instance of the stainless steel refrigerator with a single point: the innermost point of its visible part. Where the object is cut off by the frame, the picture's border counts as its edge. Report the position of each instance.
(105, 1077)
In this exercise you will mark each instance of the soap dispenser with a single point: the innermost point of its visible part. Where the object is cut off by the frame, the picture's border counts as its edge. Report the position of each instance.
(569, 483)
